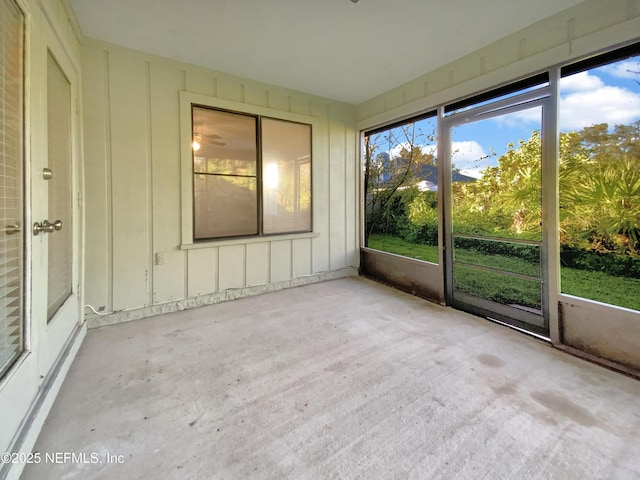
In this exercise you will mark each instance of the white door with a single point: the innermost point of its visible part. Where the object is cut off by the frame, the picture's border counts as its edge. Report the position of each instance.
(40, 241)
(55, 222)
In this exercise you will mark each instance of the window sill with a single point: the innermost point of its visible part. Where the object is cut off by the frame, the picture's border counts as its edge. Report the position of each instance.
(247, 240)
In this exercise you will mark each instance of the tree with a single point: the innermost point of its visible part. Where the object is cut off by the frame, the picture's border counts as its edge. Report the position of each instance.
(600, 190)
(390, 177)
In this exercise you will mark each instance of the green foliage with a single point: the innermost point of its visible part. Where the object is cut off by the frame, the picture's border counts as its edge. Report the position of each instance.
(529, 253)
(423, 208)
(409, 214)
(506, 200)
(608, 263)
(599, 189)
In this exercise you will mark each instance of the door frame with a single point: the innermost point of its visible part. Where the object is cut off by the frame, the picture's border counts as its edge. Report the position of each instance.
(541, 97)
(54, 334)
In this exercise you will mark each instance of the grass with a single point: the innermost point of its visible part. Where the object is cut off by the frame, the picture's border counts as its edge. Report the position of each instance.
(503, 262)
(599, 286)
(621, 291)
(497, 287)
(387, 243)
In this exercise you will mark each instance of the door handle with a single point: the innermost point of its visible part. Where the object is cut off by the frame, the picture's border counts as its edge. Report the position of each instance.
(46, 227)
(11, 229)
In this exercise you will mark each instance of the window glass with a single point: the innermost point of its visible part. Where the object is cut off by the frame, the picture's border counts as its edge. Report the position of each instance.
(600, 182)
(401, 183)
(235, 195)
(223, 142)
(286, 176)
(225, 206)
(59, 186)
(225, 158)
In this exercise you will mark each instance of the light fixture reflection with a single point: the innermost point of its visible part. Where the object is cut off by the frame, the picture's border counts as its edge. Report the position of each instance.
(271, 176)
(195, 145)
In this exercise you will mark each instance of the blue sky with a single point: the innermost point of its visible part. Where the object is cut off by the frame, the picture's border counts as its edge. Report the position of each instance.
(609, 94)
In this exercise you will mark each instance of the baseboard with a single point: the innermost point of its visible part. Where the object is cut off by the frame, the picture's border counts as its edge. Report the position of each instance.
(603, 362)
(27, 434)
(211, 299)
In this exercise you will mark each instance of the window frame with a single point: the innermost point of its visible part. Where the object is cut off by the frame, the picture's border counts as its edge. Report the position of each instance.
(188, 100)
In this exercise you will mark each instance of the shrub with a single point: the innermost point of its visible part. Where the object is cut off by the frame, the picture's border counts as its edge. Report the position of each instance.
(609, 263)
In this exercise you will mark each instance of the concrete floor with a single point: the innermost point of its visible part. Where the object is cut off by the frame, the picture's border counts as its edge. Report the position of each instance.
(342, 379)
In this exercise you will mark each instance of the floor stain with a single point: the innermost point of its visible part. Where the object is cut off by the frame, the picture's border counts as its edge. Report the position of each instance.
(489, 360)
(564, 406)
(508, 388)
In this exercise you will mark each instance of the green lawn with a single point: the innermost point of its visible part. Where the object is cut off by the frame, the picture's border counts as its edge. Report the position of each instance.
(621, 291)
(396, 245)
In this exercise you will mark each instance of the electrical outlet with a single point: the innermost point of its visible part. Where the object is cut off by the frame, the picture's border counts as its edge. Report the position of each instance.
(161, 258)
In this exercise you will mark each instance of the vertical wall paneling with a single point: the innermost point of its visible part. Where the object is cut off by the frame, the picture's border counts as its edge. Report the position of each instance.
(320, 174)
(229, 88)
(258, 261)
(199, 81)
(279, 100)
(130, 158)
(97, 167)
(337, 193)
(231, 267)
(136, 191)
(202, 271)
(280, 261)
(168, 284)
(255, 96)
(150, 276)
(301, 253)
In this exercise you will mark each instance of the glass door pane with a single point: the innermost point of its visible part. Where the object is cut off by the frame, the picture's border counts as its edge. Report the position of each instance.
(11, 182)
(496, 223)
(60, 197)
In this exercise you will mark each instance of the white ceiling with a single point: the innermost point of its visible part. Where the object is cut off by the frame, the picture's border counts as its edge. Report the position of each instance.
(333, 48)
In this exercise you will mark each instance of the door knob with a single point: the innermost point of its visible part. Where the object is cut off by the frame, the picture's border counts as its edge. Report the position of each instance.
(57, 225)
(45, 227)
(11, 229)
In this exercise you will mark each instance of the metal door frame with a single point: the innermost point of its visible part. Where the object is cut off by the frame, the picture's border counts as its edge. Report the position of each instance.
(540, 97)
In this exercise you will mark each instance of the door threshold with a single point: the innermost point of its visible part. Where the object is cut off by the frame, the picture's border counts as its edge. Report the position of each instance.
(520, 329)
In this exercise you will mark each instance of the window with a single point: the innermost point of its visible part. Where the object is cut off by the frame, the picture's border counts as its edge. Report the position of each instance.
(251, 174)
(600, 178)
(401, 183)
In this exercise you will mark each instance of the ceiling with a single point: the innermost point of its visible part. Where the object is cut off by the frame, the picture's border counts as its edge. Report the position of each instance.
(333, 48)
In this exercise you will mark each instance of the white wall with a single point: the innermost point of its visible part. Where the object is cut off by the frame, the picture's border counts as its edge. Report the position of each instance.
(133, 200)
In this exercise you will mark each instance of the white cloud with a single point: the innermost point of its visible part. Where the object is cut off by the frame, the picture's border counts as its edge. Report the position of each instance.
(470, 157)
(530, 117)
(607, 104)
(580, 82)
(581, 106)
(628, 69)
